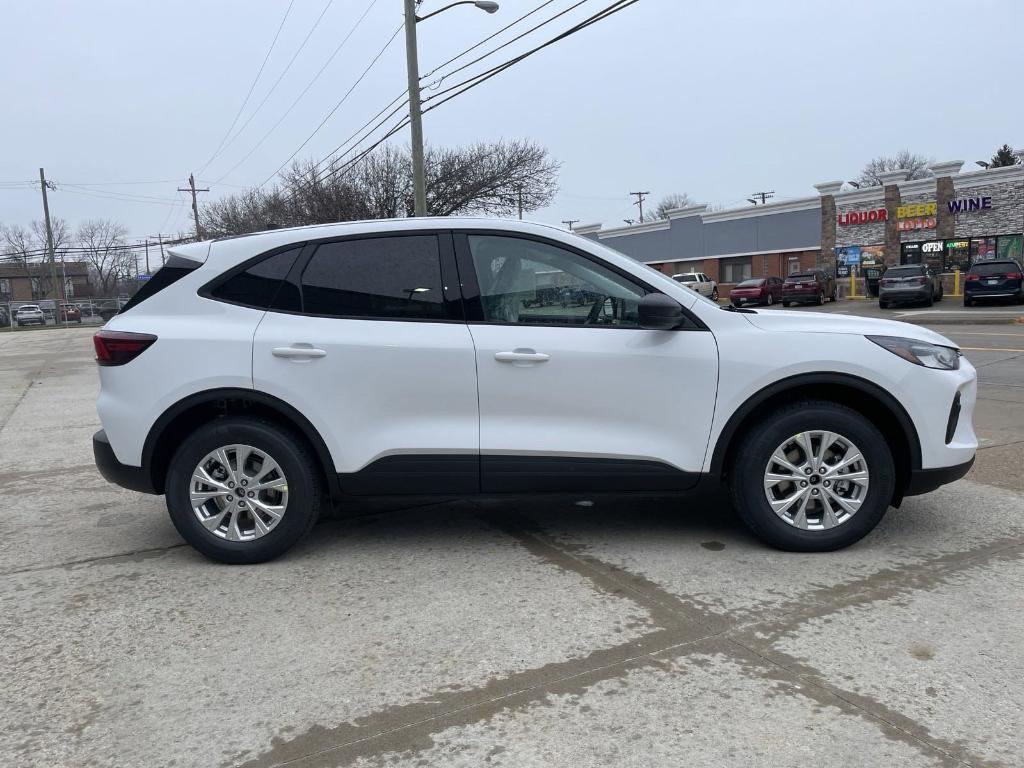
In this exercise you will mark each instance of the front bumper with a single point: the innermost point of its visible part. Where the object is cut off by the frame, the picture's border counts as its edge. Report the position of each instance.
(125, 475)
(927, 480)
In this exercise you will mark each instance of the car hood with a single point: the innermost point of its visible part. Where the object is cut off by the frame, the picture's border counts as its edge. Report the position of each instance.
(781, 321)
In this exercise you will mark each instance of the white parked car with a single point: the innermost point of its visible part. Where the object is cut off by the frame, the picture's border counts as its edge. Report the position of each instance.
(254, 380)
(29, 314)
(699, 282)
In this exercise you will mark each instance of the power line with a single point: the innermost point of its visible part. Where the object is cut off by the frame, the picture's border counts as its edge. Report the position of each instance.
(276, 82)
(486, 39)
(304, 90)
(507, 43)
(251, 87)
(480, 78)
(334, 109)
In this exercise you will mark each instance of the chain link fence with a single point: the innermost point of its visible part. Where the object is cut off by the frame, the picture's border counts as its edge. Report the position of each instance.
(35, 315)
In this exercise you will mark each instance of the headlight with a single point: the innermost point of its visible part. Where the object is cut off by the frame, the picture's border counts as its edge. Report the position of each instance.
(920, 352)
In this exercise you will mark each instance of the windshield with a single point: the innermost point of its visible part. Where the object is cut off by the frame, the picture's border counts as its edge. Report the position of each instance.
(995, 268)
(751, 284)
(803, 277)
(904, 271)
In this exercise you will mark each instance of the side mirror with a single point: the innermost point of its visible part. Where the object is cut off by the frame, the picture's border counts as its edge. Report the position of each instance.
(658, 312)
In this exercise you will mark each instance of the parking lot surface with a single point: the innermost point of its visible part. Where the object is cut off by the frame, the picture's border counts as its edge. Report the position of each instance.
(568, 632)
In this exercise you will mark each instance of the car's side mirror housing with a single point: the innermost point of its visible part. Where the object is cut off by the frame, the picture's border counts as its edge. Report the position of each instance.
(658, 312)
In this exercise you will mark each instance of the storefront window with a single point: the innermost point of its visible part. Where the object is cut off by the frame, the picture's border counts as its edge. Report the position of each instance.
(794, 265)
(958, 255)
(1010, 247)
(983, 248)
(910, 253)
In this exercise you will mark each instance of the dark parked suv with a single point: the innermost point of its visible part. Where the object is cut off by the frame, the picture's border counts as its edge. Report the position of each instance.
(909, 283)
(811, 287)
(996, 279)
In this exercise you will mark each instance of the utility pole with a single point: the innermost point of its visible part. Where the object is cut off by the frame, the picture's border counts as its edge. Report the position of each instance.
(160, 239)
(640, 201)
(570, 222)
(49, 248)
(147, 256)
(763, 196)
(195, 206)
(419, 184)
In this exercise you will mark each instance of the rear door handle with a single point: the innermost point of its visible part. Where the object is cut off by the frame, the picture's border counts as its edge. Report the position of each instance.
(299, 352)
(521, 355)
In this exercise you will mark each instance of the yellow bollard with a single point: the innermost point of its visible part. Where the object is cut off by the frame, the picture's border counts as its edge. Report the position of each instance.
(956, 282)
(853, 285)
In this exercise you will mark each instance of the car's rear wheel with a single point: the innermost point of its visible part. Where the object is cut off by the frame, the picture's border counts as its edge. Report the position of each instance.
(821, 298)
(968, 302)
(771, 300)
(883, 304)
(243, 490)
(714, 294)
(813, 476)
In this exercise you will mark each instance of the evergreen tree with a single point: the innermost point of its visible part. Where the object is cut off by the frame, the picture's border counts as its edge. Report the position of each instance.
(1003, 156)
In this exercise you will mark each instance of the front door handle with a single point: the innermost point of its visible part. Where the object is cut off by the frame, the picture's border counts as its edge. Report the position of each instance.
(299, 352)
(521, 355)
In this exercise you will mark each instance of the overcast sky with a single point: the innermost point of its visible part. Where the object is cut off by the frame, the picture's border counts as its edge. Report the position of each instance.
(716, 99)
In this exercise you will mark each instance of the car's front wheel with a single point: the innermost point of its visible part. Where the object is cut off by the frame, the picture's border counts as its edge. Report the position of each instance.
(243, 490)
(813, 476)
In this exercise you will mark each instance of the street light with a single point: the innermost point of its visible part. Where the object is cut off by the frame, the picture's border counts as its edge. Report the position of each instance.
(983, 164)
(419, 186)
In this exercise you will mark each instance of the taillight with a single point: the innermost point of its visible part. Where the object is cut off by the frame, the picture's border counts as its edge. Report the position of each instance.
(120, 347)
(920, 280)
(1015, 276)
(974, 277)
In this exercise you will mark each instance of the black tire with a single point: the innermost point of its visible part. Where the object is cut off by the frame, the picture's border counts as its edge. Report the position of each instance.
(968, 302)
(942, 292)
(835, 295)
(771, 300)
(300, 467)
(883, 304)
(746, 475)
(785, 303)
(821, 298)
(714, 294)
(930, 300)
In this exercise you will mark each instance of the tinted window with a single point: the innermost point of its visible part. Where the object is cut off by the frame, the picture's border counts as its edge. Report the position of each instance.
(994, 268)
(904, 271)
(533, 283)
(258, 285)
(686, 278)
(383, 277)
(751, 284)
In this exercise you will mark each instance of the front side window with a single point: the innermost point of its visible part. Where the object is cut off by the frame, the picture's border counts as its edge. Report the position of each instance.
(389, 278)
(527, 282)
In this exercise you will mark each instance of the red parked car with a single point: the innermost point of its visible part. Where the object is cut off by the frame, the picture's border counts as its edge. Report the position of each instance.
(812, 287)
(759, 290)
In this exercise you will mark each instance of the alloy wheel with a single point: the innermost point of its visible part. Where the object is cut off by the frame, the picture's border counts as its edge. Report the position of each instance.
(816, 480)
(238, 493)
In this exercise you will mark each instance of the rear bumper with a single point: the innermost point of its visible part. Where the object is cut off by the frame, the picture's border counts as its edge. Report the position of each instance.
(125, 475)
(915, 294)
(927, 480)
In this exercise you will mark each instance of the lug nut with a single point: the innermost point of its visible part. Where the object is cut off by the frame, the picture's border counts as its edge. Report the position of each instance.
(231, 484)
(245, 482)
(814, 492)
(251, 494)
(231, 498)
(807, 471)
(826, 483)
(803, 483)
(241, 503)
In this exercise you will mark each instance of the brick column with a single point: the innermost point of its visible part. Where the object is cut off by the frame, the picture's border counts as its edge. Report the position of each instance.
(944, 219)
(892, 231)
(828, 232)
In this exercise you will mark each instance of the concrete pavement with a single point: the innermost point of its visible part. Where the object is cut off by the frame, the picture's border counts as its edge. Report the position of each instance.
(633, 633)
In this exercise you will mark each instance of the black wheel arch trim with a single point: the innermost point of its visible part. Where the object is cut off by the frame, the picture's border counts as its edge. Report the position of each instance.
(224, 394)
(735, 422)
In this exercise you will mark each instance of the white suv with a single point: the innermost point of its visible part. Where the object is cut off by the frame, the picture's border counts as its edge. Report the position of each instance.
(257, 379)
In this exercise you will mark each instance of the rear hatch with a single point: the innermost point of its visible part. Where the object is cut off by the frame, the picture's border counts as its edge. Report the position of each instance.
(903, 279)
(995, 276)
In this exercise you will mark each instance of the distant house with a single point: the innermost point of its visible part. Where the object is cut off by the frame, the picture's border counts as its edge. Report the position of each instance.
(31, 282)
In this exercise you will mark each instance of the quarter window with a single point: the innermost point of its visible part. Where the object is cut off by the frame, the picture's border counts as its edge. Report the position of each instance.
(527, 282)
(258, 285)
(395, 278)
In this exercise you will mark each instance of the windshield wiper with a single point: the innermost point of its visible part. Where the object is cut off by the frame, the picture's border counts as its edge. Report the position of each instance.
(741, 310)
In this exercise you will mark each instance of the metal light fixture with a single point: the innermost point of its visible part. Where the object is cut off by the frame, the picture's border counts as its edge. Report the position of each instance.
(854, 184)
(983, 164)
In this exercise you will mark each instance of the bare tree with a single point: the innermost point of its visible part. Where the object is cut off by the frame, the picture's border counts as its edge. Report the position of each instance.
(668, 202)
(104, 249)
(916, 165)
(483, 178)
(28, 247)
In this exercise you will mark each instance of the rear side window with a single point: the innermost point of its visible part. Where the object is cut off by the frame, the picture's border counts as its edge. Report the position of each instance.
(170, 273)
(259, 285)
(391, 278)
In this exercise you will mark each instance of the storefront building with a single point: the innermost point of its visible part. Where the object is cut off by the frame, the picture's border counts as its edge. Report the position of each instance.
(948, 220)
